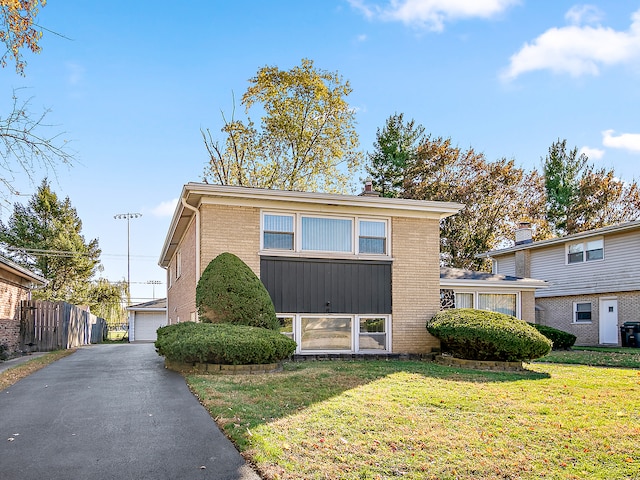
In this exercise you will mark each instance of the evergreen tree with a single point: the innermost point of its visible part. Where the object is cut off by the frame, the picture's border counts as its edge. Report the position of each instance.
(395, 148)
(45, 236)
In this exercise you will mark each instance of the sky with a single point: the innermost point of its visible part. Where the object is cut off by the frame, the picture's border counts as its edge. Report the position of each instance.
(129, 85)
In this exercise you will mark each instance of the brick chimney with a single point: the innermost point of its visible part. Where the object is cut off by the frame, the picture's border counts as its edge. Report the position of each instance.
(368, 189)
(524, 233)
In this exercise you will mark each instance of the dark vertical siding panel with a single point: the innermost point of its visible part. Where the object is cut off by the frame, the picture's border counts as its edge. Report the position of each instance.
(306, 285)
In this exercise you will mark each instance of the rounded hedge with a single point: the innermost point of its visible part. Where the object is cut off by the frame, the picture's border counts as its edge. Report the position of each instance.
(561, 340)
(222, 343)
(229, 292)
(482, 335)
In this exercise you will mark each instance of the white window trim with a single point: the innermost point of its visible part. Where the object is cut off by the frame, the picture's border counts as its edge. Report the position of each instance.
(584, 251)
(574, 314)
(355, 237)
(491, 292)
(355, 332)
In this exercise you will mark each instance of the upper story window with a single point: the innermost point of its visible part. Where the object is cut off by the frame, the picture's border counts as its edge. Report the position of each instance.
(178, 264)
(585, 251)
(335, 235)
(372, 237)
(327, 234)
(278, 232)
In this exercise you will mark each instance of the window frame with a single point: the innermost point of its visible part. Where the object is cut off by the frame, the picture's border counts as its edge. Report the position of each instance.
(479, 291)
(355, 332)
(293, 232)
(359, 236)
(584, 250)
(575, 313)
(178, 264)
(354, 238)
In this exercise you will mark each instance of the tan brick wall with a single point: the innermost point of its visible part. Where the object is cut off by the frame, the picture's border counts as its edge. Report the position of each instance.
(10, 296)
(230, 229)
(181, 295)
(415, 283)
(557, 312)
(528, 307)
(222, 229)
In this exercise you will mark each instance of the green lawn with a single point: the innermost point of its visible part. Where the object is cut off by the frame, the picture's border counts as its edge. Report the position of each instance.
(420, 420)
(596, 356)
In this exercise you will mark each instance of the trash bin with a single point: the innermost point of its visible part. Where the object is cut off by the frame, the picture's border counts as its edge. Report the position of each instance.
(630, 334)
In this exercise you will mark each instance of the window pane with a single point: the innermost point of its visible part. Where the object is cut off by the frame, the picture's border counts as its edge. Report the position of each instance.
(286, 326)
(595, 250)
(278, 223)
(372, 334)
(281, 241)
(583, 312)
(372, 229)
(326, 234)
(372, 245)
(575, 253)
(464, 300)
(498, 302)
(326, 333)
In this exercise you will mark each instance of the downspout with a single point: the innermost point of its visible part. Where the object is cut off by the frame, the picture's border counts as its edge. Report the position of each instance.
(197, 215)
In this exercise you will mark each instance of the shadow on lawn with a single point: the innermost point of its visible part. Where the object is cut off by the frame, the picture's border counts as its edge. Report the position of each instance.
(243, 401)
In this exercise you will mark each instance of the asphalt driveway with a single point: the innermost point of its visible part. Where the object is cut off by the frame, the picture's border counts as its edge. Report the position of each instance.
(111, 412)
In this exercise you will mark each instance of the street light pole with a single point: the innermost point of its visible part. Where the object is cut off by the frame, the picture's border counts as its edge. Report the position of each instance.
(128, 217)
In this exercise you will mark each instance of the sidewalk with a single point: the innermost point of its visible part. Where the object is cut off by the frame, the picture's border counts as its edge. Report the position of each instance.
(19, 360)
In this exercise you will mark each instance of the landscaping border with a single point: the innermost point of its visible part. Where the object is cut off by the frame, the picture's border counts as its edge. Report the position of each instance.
(219, 369)
(480, 364)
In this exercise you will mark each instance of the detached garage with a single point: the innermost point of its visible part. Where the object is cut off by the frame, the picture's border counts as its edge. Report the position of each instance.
(145, 319)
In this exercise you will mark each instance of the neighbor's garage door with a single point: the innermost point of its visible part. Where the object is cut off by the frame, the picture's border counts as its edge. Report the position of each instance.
(146, 325)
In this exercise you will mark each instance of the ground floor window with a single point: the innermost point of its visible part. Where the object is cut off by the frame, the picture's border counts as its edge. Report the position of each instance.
(337, 333)
(582, 312)
(493, 301)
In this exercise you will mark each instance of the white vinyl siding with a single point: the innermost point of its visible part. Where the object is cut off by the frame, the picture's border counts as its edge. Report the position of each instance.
(617, 272)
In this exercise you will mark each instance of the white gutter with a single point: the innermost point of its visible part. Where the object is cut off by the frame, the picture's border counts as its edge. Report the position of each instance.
(197, 220)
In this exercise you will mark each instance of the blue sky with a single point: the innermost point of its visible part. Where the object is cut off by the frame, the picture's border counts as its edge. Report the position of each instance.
(133, 83)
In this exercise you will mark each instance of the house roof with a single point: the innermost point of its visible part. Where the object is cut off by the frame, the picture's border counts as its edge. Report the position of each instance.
(152, 306)
(618, 228)
(20, 271)
(195, 194)
(452, 277)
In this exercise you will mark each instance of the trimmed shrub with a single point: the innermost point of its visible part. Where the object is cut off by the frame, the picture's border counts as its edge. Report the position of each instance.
(222, 343)
(561, 340)
(229, 292)
(481, 335)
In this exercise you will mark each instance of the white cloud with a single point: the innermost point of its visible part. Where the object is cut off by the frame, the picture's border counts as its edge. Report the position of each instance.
(362, 38)
(592, 153)
(624, 141)
(584, 14)
(577, 50)
(165, 209)
(432, 14)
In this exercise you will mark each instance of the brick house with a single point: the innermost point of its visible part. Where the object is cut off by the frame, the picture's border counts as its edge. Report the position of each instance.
(347, 274)
(16, 283)
(593, 280)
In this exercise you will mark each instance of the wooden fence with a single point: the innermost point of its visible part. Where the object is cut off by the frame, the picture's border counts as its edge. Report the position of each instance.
(46, 326)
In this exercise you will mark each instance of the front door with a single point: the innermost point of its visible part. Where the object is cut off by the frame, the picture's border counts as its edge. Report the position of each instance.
(609, 321)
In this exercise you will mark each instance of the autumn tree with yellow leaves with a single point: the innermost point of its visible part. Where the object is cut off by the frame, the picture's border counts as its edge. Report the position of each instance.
(306, 140)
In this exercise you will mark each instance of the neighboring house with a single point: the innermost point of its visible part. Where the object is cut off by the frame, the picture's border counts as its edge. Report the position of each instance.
(145, 319)
(593, 277)
(486, 291)
(16, 283)
(347, 274)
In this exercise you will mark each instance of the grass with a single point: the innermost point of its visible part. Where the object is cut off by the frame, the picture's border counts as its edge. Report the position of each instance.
(14, 374)
(420, 420)
(596, 356)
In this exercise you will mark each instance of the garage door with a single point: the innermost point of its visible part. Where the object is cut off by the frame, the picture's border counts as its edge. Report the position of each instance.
(146, 325)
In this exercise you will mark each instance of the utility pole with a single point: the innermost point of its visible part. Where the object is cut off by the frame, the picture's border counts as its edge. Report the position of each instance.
(128, 217)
